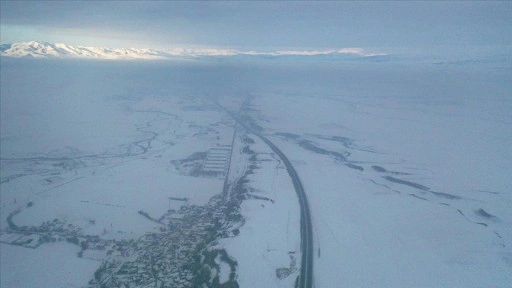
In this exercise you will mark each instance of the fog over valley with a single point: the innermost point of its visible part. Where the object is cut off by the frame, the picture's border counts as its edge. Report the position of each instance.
(288, 164)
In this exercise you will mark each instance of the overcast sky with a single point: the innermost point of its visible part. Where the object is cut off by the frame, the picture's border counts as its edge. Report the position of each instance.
(258, 25)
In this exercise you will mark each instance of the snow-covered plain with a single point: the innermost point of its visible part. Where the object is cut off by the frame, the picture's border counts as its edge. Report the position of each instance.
(51, 265)
(405, 164)
(269, 239)
(91, 145)
(406, 167)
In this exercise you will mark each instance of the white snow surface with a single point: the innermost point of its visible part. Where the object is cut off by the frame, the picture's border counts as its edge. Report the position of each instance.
(406, 166)
(447, 129)
(92, 147)
(270, 237)
(51, 265)
(49, 50)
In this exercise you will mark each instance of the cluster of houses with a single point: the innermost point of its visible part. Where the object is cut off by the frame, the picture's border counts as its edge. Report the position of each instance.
(169, 257)
(34, 236)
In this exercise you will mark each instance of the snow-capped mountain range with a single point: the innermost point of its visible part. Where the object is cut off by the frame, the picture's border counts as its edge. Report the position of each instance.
(58, 50)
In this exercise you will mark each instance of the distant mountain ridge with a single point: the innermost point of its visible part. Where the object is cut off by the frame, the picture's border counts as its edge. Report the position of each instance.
(48, 50)
(35, 49)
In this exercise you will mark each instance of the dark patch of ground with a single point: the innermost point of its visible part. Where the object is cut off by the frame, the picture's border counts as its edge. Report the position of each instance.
(311, 146)
(308, 145)
(379, 169)
(446, 195)
(353, 166)
(405, 182)
(191, 165)
(288, 135)
(383, 170)
(463, 215)
(482, 213)
(421, 187)
(418, 197)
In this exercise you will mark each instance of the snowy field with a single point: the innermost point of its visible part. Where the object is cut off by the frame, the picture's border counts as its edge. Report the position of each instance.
(91, 144)
(269, 240)
(406, 165)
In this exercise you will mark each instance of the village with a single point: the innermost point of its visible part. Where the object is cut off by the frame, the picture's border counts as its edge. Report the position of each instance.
(171, 256)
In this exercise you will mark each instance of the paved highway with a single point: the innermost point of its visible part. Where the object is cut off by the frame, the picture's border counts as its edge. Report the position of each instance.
(306, 229)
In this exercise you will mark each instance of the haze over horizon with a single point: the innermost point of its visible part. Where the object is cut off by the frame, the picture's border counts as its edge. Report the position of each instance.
(255, 144)
(260, 25)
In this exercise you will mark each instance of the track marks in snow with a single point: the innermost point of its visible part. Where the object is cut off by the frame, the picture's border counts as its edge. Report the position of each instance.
(60, 185)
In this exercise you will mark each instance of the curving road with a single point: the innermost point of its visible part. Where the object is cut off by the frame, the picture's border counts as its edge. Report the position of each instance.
(306, 228)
